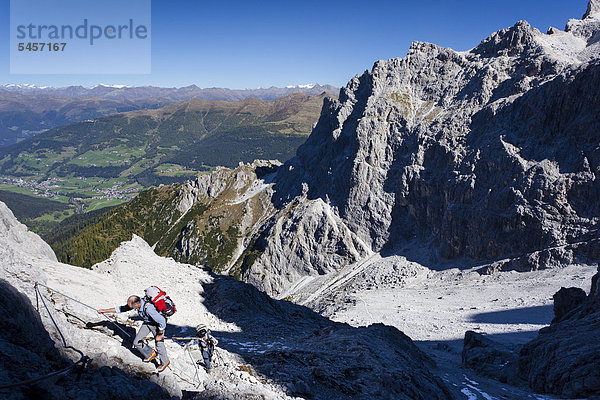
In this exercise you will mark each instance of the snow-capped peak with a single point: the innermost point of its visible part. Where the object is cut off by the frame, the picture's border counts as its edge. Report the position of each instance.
(306, 86)
(110, 86)
(23, 86)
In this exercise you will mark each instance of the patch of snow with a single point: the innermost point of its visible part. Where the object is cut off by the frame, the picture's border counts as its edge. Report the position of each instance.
(470, 395)
(471, 385)
(24, 86)
(305, 86)
(110, 86)
(470, 381)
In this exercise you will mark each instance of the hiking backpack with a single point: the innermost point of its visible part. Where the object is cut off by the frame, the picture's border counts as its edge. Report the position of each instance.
(161, 301)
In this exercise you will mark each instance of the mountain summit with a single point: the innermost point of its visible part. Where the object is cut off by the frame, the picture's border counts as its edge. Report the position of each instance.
(593, 9)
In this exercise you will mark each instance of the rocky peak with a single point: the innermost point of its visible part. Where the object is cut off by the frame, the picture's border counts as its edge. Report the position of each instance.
(14, 234)
(457, 149)
(588, 27)
(510, 41)
(593, 8)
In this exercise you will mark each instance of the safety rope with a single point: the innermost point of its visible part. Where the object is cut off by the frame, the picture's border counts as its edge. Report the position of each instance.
(196, 374)
(83, 360)
(186, 349)
(218, 354)
(85, 305)
(39, 296)
(62, 337)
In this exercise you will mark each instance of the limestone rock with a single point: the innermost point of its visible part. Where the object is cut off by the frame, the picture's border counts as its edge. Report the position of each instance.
(566, 300)
(595, 289)
(489, 358)
(291, 350)
(593, 8)
(311, 239)
(19, 246)
(563, 359)
(30, 344)
(488, 155)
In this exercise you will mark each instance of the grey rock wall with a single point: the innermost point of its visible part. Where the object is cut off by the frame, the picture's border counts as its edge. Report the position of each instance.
(489, 155)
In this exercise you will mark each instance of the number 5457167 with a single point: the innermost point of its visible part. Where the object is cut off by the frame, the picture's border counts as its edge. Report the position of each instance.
(41, 46)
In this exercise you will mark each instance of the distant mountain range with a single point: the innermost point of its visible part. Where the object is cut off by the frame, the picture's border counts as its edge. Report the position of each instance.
(27, 110)
(140, 148)
(173, 94)
(24, 115)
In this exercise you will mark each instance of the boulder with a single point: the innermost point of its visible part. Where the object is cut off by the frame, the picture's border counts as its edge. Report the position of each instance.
(563, 359)
(595, 288)
(566, 300)
(489, 358)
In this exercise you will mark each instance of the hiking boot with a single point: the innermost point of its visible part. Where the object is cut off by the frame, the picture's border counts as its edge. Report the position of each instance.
(162, 367)
(151, 356)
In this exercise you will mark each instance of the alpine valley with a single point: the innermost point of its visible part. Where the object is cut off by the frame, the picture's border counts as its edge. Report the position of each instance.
(106, 161)
(447, 196)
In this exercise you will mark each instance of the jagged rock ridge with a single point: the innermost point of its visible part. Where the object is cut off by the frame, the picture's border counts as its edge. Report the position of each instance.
(490, 156)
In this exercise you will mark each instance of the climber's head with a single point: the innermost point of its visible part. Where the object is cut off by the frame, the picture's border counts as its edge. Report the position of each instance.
(134, 302)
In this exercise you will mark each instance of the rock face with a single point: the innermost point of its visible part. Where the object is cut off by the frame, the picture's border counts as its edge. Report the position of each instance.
(473, 150)
(268, 349)
(563, 359)
(30, 345)
(311, 239)
(19, 242)
(489, 154)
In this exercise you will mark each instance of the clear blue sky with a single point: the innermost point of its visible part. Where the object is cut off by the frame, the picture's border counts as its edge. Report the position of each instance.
(246, 44)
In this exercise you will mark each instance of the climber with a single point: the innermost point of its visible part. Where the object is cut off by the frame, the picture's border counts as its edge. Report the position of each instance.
(154, 322)
(207, 344)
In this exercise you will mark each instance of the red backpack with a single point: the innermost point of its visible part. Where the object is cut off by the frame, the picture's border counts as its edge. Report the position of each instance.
(161, 301)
